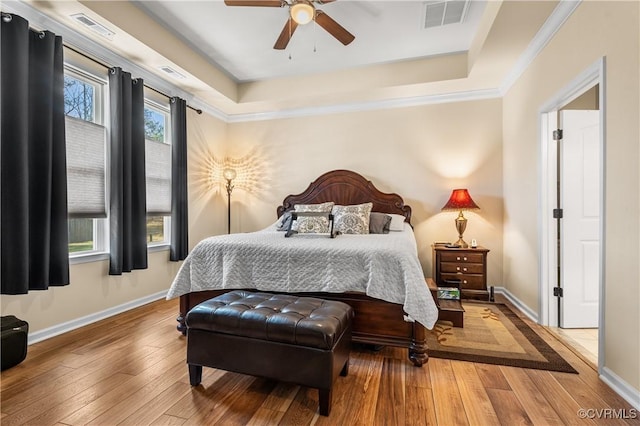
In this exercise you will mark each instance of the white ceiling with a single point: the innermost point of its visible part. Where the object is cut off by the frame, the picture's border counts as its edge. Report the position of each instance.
(232, 71)
(240, 40)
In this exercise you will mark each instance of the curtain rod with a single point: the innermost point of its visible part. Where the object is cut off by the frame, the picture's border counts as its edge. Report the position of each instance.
(199, 111)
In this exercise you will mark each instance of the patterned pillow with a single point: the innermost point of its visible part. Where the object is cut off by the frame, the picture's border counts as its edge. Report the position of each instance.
(312, 224)
(352, 219)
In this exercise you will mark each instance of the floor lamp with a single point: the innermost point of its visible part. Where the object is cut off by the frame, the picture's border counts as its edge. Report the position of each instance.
(229, 175)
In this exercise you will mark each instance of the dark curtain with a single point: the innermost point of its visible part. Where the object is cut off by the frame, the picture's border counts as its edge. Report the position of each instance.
(179, 202)
(128, 204)
(33, 200)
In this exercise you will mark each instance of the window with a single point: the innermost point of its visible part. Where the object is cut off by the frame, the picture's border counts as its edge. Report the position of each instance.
(158, 171)
(86, 159)
(87, 164)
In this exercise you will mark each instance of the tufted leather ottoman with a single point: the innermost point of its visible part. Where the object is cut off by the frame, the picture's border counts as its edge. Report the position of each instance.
(301, 340)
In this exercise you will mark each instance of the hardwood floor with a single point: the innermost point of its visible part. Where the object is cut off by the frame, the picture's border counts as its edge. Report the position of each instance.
(130, 369)
(582, 340)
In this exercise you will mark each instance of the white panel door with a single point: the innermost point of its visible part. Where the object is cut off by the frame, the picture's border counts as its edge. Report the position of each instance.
(580, 233)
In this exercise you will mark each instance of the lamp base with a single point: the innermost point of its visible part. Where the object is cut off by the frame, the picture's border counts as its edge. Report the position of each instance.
(461, 225)
(461, 243)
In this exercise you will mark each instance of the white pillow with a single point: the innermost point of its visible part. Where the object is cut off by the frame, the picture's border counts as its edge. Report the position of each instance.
(397, 222)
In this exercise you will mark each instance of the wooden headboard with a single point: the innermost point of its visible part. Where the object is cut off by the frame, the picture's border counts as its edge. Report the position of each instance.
(345, 187)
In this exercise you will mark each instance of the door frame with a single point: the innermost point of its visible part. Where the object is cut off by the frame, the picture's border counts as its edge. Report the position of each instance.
(547, 312)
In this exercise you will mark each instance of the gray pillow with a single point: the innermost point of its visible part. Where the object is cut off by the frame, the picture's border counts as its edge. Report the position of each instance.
(283, 223)
(379, 223)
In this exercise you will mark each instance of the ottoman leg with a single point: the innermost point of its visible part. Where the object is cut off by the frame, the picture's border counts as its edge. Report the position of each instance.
(195, 374)
(345, 369)
(325, 401)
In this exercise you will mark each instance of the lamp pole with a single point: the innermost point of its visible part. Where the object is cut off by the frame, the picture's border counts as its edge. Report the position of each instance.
(229, 175)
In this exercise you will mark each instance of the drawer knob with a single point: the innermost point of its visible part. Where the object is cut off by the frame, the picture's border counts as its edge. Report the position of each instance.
(465, 258)
(464, 269)
(464, 281)
(457, 268)
(458, 258)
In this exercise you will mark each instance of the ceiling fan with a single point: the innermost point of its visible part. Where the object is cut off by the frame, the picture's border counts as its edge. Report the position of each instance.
(301, 12)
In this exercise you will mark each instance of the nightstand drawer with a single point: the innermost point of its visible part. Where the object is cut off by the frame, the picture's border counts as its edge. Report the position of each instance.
(469, 265)
(462, 257)
(462, 268)
(477, 282)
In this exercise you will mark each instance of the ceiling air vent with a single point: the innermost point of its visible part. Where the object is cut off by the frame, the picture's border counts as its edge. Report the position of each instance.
(93, 25)
(173, 73)
(439, 13)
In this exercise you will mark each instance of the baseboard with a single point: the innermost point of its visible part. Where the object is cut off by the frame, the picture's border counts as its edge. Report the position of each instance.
(622, 388)
(47, 333)
(533, 316)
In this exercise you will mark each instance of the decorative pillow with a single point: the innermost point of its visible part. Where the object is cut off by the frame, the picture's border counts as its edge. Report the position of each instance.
(283, 222)
(379, 223)
(352, 219)
(312, 224)
(397, 222)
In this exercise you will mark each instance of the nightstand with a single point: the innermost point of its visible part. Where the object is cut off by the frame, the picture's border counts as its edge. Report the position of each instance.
(469, 265)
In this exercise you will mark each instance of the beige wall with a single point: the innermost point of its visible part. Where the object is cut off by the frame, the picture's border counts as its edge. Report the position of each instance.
(92, 290)
(594, 30)
(587, 101)
(422, 153)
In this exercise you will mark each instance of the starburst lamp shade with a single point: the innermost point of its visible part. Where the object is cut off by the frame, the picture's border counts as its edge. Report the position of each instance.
(458, 201)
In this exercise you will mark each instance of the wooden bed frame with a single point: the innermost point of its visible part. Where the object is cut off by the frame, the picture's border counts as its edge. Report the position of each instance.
(376, 321)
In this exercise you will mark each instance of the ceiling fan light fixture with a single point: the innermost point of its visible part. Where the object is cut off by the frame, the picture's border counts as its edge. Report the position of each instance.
(302, 12)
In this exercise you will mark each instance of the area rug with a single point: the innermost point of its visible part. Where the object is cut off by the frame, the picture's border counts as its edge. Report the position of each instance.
(493, 334)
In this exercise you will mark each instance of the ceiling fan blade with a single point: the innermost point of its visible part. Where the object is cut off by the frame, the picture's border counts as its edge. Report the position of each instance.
(333, 28)
(262, 3)
(324, 1)
(285, 35)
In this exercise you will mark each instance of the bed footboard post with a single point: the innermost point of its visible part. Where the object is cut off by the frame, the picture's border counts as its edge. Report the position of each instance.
(184, 308)
(418, 347)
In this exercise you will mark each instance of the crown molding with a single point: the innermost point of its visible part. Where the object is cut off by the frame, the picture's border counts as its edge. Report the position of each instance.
(103, 55)
(551, 26)
(470, 95)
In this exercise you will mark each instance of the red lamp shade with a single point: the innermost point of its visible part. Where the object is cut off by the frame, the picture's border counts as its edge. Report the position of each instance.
(460, 200)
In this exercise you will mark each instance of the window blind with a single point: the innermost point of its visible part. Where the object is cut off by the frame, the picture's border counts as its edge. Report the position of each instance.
(86, 144)
(158, 167)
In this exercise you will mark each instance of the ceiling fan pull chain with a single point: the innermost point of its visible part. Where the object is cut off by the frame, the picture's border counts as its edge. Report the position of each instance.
(290, 35)
(315, 25)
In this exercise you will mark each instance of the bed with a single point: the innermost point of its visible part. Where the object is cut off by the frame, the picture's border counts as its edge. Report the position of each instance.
(389, 318)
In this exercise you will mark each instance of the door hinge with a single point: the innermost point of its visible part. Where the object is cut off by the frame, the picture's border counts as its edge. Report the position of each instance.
(557, 291)
(557, 135)
(557, 213)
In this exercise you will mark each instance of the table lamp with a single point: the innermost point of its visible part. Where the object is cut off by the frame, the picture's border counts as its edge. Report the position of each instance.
(460, 200)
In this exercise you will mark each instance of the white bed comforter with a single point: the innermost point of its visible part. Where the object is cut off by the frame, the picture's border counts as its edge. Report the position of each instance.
(384, 266)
